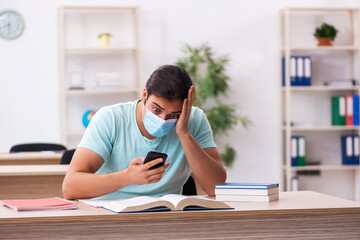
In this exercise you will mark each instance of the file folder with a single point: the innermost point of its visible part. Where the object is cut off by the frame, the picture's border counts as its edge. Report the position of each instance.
(299, 79)
(338, 110)
(294, 151)
(347, 149)
(293, 71)
(307, 70)
(356, 150)
(301, 159)
(356, 110)
(349, 110)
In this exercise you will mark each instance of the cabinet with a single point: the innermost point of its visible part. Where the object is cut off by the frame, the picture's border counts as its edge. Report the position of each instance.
(91, 75)
(306, 110)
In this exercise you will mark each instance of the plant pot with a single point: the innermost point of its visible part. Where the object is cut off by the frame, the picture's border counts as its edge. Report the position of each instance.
(324, 42)
(104, 40)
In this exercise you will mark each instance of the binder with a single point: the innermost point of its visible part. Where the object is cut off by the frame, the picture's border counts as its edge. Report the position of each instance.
(307, 70)
(293, 71)
(349, 110)
(356, 110)
(356, 150)
(294, 150)
(283, 70)
(300, 81)
(347, 149)
(301, 159)
(338, 110)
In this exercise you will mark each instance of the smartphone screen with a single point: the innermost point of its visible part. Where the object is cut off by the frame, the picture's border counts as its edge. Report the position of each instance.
(154, 155)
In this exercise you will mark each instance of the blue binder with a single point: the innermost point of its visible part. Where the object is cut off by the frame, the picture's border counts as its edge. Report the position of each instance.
(356, 146)
(300, 79)
(347, 149)
(293, 71)
(356, 110)
(283, 70)
(294, 151)
(307, 70)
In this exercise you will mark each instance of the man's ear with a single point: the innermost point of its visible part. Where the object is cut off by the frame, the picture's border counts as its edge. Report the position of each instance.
(144, 95)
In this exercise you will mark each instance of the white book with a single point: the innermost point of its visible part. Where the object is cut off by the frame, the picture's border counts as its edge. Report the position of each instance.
(166, 202)
(247, 198)
(255, 192)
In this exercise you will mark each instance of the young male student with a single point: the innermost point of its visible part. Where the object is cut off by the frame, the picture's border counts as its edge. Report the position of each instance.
(109, 159)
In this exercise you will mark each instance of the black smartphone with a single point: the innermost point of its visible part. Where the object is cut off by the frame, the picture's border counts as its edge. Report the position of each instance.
(152, 155)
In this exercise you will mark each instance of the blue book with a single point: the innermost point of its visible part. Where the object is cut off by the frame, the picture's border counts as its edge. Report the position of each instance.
(246, 185)
(347, 149)
(356, 110)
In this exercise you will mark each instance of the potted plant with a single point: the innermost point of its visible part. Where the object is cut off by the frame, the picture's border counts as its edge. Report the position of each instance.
(211, 82)
(104, 39)
(325, 34)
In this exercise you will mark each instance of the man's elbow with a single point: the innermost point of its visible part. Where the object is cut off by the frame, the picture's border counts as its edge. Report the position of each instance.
(67, 190)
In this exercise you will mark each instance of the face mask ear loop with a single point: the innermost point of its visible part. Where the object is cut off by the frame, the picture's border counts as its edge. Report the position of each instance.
(144, 109)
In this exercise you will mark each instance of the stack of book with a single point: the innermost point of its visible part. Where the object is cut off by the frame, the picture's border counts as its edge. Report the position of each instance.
(247, 192)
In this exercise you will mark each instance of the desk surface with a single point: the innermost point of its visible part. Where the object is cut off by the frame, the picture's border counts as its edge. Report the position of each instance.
(302, 202)
(297, 215)
(29, 170)
(30, 158)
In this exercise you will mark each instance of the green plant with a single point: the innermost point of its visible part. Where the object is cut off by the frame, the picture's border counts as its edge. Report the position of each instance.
(211, 82)
(326, 31)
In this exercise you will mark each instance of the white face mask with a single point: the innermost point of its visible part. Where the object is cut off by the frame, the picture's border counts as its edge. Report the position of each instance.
(156, 126)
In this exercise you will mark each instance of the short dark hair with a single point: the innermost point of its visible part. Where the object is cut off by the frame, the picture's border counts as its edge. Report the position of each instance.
(170, 82)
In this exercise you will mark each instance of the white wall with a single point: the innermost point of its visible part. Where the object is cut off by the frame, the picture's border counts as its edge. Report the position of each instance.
(245, 30)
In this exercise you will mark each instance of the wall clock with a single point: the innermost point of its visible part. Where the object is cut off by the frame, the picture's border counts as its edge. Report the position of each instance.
(11, 24)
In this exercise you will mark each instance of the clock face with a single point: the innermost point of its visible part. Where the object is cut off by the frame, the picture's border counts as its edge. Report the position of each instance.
(11, 24)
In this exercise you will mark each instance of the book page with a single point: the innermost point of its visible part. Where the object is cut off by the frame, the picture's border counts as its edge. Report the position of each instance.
(99, 202)
(174, 198)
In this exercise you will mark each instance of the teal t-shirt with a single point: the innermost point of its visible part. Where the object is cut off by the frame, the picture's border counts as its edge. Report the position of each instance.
(114, 134)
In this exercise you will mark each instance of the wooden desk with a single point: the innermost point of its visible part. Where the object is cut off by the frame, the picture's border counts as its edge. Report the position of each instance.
(30, 158)
(297, 215)
(31, 181)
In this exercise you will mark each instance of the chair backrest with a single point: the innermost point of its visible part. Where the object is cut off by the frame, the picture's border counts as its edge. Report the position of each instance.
(35, 147)
(189, 187)
(67, 156)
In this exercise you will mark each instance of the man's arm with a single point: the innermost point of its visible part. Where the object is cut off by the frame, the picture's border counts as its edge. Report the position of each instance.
(82, 182)
(205, 164)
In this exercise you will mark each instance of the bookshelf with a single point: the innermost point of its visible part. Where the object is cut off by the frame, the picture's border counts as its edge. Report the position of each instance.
(81, 54)
(311, 105)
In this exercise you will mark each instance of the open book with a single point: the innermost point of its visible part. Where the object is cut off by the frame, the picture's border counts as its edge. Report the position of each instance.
(166, 202)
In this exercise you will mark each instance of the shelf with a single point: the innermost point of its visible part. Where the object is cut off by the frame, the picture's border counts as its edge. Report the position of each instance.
(96, 9)
(322, 128)
(320, 9)
(320, 49)
(98, 51)
(325, 167)
(320, 88)
(100, 91)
